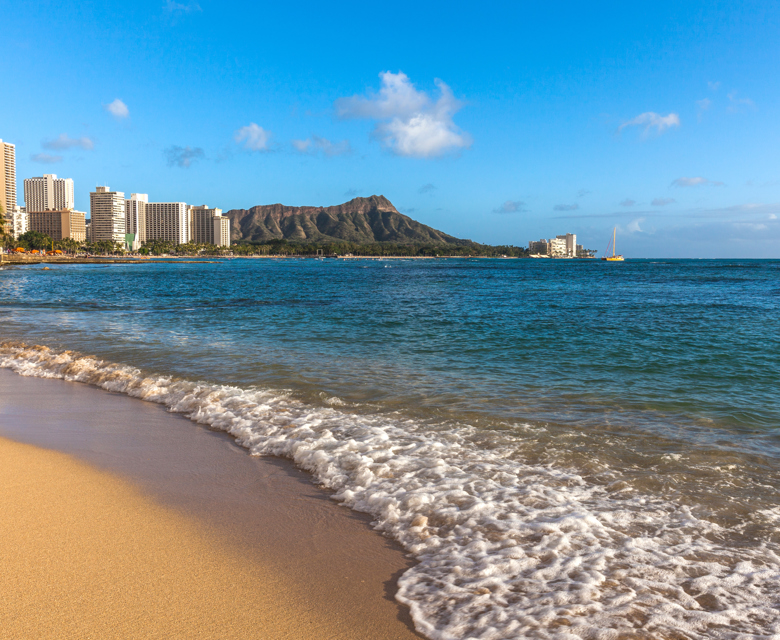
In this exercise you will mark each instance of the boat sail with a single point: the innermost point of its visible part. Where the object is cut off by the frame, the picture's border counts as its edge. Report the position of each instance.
(614, 257)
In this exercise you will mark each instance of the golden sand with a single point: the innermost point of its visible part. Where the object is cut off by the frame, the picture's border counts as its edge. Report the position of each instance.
(83, 555)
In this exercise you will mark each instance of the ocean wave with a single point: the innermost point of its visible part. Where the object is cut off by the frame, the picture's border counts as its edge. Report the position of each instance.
(504, 548)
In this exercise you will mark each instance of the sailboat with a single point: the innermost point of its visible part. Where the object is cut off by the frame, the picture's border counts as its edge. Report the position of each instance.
(614, 257)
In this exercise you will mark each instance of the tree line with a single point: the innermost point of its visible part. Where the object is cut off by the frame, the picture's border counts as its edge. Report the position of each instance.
(35, 240)
(378, 249)
(278, 247)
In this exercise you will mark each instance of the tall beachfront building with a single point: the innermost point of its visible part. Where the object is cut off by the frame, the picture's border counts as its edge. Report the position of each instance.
(59, 224)
(18, 221)
(209, 226)
(135, 220)
(222, 231)
(7, 176)
(107, 215)
(167, 221)
(48, 193)
(571, 245)
(564, 246)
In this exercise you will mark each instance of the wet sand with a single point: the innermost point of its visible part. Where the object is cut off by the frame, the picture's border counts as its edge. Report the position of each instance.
(152, 526)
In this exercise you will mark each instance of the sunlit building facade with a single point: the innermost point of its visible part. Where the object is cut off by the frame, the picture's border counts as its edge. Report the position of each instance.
(107, 215)
(7, 176)
(48, 193)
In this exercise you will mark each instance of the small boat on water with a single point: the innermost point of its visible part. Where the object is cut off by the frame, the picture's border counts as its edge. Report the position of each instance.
(614, 257)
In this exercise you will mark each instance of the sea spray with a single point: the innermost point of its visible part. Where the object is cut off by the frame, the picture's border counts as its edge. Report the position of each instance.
(504, 548)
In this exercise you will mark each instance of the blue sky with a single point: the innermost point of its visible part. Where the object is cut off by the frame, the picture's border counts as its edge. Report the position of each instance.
(502, 123)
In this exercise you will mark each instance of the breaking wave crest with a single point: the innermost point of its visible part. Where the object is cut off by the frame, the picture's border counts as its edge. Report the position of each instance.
(504, 548)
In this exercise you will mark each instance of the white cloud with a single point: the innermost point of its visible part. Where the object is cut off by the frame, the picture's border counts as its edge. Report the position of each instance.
(411, 124)
(396, 99)
(511, 206)
(628, 202)
(650, 120)
(45, 158)
(566, 207)
(63, 141)
(316, 143)
(183, 156)
(695, 182)
(117, 108)
(633, 226)
(714, 86)
(704, 104)
(254, 137)
(662, 202)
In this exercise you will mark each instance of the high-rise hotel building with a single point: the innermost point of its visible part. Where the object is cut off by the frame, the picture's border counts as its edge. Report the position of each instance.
(174, 222)
(222, 231)
(48, 193)
(209, 226)
(50, 208)
(135, 220)
(7, 176)
(107, 215)
(18, 221)
(167, 221)
(59, 224)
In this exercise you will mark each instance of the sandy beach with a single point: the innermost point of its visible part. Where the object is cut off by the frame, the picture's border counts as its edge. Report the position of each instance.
(141, 524)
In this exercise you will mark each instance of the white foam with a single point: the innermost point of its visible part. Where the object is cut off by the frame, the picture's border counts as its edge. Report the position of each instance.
(505, 549)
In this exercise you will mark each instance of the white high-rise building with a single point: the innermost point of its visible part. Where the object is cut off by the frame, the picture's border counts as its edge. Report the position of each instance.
(107, 215)
(7, 176)
(558, 247)
(18, 221)
(564, 246)
(222, 231)
(135, 219)
(209, 226)
(48, 193)
(167, 221)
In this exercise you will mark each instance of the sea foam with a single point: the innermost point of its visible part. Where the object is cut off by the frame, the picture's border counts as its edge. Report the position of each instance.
(504, 548)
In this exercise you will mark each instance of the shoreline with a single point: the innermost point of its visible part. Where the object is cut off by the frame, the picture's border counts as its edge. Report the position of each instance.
(329, 570)
(16, 260)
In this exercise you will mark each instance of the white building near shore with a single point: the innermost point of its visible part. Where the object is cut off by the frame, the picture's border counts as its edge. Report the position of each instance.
(563, 246)
(18, 221)
(135, 220)
(107, 215)
(48, 193)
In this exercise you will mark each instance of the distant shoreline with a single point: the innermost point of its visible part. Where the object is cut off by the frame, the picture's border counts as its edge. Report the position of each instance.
(29, 260)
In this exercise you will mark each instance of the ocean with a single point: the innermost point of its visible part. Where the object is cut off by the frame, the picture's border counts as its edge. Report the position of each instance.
(568, 448)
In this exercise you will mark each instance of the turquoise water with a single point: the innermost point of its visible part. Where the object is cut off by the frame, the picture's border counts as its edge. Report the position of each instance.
(644, 394)
(669, 346)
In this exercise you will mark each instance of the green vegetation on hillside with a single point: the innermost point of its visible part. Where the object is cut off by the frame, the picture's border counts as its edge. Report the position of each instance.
(284, 247)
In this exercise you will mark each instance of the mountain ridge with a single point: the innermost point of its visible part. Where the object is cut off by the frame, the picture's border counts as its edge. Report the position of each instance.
(360, 220)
